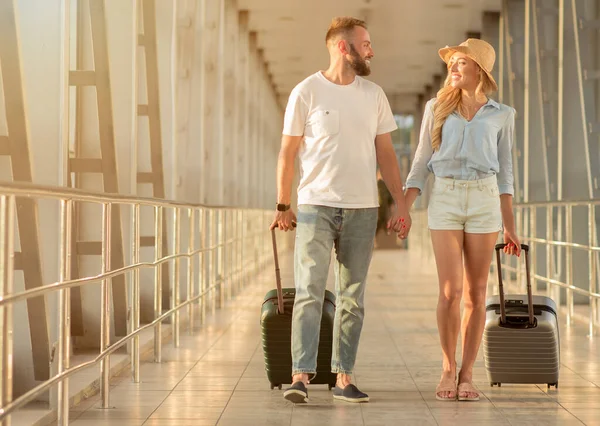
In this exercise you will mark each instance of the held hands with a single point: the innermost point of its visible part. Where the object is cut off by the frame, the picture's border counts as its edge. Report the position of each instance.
(400, 222)
(513, 246)
(285, 221)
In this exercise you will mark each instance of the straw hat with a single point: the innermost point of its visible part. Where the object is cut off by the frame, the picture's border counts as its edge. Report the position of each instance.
(480, 51)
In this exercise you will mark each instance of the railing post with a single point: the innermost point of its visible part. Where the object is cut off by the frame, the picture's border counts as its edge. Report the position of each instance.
(135, 293)
(64, 311)
(533, 247)
(557, 253)
(229, 253)
(569, 263)
(175, 294)
(191, 262)
(592, 266)
(519, 226)
(243, 249)
(7, 255)
(549, 249)
(105, 304)
(221, 257)
(236, 259)
(263, 240)
(231, 256)
(237, 245)
(158, 232)
(211, 272)
(204, 243)
(256, 237)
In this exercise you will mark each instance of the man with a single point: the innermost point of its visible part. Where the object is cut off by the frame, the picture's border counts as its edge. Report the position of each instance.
(339, 124)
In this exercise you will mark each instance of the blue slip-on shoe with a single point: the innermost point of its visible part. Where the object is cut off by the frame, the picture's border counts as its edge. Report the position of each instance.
(296, 393)
(350, 394)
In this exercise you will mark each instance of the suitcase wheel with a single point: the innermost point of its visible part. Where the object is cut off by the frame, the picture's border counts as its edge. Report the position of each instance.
(330, 387)
(553, 384)
(492, 384)
(275, 386)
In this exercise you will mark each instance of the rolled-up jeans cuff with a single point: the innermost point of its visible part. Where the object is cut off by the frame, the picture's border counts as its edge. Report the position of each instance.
(311, 373)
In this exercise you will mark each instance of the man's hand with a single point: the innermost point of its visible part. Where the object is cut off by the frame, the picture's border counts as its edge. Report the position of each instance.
(285, 221)
(285, 175)
(400, 222)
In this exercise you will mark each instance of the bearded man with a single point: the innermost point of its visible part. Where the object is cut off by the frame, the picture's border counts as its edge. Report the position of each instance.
(339, 125)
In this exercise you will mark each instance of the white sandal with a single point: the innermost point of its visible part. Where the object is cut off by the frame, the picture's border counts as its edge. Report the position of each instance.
(467, 388)
(445, 388)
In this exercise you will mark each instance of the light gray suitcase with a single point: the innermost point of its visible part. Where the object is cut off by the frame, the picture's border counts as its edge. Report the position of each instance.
(521, 340)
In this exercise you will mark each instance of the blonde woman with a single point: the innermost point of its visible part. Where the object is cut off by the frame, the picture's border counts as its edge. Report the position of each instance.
(465, 141)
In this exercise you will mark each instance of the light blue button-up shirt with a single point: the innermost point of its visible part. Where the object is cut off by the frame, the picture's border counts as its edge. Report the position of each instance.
(469, 150)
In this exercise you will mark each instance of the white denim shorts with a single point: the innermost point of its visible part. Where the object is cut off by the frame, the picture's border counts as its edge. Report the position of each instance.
(469, 205)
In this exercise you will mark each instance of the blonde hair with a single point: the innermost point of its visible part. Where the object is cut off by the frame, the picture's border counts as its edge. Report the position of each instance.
(342, 26)
(449, 99)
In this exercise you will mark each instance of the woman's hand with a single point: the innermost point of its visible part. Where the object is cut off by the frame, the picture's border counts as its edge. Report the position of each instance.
(513, 246)
(400, 223)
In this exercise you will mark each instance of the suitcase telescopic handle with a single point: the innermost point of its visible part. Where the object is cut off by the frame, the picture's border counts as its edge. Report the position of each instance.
(277, 272)
(525, 248)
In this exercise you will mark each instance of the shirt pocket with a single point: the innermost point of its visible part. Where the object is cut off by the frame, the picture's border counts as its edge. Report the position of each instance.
(325, 123)
(484, 144)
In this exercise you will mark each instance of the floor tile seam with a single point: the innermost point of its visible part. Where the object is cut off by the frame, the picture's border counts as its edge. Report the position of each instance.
(216, 340)
(389, 333)
(238, 382)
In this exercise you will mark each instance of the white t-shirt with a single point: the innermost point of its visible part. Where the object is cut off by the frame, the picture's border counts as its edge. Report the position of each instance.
(339, 123)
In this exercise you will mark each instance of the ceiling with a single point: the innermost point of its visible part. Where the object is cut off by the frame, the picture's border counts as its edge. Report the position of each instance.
(406, 35)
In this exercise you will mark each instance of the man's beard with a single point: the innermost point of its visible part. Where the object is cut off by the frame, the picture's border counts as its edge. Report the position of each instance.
(358, 64)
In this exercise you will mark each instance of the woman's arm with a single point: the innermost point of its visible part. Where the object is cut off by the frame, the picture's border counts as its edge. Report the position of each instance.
(506, 184)
(415, 182)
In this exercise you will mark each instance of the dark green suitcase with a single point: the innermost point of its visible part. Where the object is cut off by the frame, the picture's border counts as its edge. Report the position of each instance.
(276, 325)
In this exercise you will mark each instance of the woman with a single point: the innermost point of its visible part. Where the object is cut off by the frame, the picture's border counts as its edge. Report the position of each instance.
(465, 140)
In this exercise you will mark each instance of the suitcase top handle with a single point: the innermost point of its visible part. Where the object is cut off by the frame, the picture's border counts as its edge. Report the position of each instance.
(277, 272)
(525, 248)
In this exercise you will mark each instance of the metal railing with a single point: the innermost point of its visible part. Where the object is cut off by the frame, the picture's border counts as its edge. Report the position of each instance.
(556, 267)
(232, 246)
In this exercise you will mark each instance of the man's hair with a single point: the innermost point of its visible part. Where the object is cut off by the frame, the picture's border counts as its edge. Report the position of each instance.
(342, 26)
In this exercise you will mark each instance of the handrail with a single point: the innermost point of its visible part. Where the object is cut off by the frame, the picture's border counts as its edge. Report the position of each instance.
(30, 190)
(223, 253)
(563, 203)
(32, 393)
(40, 291)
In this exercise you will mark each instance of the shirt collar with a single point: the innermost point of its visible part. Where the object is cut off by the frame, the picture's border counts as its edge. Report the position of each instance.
(493, 103)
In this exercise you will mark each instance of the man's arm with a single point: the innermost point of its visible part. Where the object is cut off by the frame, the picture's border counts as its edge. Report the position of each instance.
(285, 177)
(285, 167)
(388, 164)
(390, 172)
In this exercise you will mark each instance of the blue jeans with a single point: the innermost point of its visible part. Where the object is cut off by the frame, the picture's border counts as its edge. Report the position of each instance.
(351, 232)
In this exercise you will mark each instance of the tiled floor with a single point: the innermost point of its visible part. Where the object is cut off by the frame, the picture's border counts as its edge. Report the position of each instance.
(217, 376)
